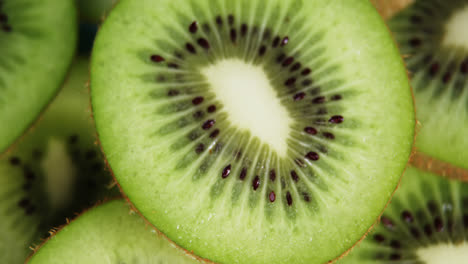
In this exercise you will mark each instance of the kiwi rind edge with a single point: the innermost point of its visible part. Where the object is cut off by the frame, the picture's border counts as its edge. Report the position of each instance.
(54, 231)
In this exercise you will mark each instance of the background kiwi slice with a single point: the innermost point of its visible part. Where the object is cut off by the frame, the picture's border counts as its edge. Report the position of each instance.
(433, 36)
(273, 132)
(54, 172)
(38, 42)
(426, 223)
(109, 233)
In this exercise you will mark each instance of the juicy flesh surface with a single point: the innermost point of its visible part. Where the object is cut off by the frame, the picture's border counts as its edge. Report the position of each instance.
(46, 177)
(148, 127)
(250, 101)
(37, 52)
(109, 233)
(433, 36)
(425, 223)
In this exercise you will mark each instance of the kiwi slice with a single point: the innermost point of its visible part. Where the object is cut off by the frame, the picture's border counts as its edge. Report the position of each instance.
(267, 131)
(109, 233)
(433, 36)
(54, 172)
(426, 223)
(38, 42)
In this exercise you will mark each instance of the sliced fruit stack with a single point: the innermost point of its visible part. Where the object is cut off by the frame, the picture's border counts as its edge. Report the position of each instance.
(246, 131)
(427, 221)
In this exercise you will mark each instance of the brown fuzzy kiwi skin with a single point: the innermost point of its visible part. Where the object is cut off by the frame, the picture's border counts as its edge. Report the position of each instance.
(388, 8)
(55, 230)
(427, 163)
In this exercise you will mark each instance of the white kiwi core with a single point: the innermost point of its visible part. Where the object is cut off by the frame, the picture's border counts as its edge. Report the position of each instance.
(60, 173)
(444, 254)
(456, 33)
(250, 101)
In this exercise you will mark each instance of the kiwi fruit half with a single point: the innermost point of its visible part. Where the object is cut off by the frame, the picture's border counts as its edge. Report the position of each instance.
(109, 233)
(426, 223)
(38, 40)
(267, 131)
(54, 172)
(432, 34)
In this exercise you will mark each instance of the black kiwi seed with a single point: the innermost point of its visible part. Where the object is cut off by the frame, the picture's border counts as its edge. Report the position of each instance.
(318, 100)
(173, 93)
(336, 119)
(288, 61)
(379, 238)
(276, 42)
(306, 72)
(226, 171)
(219, 21)
(215, 133)
(73, 139)
(15, 161)
(407, 217)
(243, 173)
(464, 66)
(211, 109)
(203, 43)
(193, 28)
(190, 48)
(289, 198)
(24, 203)
(157, 58)
(328, 135)
(199, 148)
(294, 176)
(295, 67)
(313, 156)
(231, 20)
(290, 81)
(336, 97)
(272, 175)
(233, 35)
(208, 124)
(256, 183)
(387, 222)
(243, 30)
(272, 196)
(299, 96)
(197, 100)
(310, 130)
(281, 57)
(395, 256)
(438, 224)
(262, 50)
(285, 41)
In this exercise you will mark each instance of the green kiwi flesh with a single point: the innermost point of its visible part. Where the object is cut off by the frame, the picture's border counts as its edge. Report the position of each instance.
(55, 171)
(267, 131)
(37, 39)
(109, 233)
(432, 34)
(426, 223)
